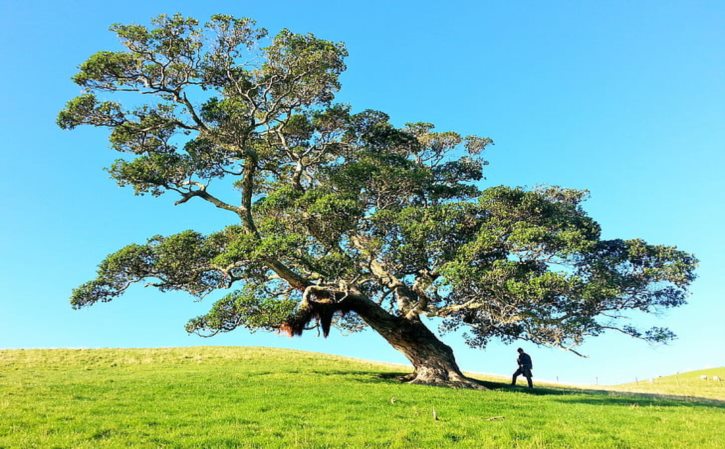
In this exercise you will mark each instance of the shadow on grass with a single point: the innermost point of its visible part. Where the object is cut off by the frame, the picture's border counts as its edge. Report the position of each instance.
(629, 399)
(566, 395)
(365, 376)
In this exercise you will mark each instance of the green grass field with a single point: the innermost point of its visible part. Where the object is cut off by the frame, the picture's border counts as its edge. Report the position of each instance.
(685, 384)
(215, 397)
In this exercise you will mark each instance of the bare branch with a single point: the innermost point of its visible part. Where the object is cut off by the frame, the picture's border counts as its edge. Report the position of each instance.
(202, 193)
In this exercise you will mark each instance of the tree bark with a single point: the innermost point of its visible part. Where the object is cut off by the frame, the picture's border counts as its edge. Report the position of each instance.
(433, 361)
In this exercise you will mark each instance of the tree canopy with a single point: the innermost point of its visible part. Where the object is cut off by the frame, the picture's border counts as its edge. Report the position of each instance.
(341, 218)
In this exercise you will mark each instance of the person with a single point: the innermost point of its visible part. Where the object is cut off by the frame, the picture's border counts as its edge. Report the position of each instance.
(525, 367)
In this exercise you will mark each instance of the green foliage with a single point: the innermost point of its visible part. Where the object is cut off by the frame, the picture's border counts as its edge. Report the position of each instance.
(240, 246)
(106, 69)
(309, 67)
(342, 201)
(177, 262)
(252, 307)
(548, 278)
(86, 110)
(150, 173)
(146, 130)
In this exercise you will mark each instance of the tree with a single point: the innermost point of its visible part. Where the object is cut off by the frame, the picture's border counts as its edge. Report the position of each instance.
(344, 219)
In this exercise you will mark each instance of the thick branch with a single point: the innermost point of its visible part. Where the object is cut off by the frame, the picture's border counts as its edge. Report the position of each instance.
(249, 170)
(404, 295)
(189, 107)
(284, 272)
(202, 193)
(469, 305)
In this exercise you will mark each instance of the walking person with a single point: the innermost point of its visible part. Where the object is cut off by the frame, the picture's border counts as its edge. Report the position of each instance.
(525, 367)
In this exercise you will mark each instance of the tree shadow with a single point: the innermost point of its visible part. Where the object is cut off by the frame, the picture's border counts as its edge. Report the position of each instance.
(573, 395)
(609, 397)
(364, 376)
(631, 399)
(568, 395)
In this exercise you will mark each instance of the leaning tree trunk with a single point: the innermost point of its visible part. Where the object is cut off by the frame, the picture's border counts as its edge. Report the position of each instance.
(433, 360)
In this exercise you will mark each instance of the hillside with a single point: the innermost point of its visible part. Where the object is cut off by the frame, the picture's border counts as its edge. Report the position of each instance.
(216, 397)
(685, 384)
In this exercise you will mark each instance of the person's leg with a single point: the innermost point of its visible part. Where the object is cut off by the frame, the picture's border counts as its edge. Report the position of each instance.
(516, 374)
(528, 376)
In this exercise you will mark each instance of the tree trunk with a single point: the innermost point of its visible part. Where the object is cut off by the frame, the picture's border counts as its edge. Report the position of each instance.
(432, 359)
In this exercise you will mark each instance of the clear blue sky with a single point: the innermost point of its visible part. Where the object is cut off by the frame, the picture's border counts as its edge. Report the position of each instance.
(624, 98)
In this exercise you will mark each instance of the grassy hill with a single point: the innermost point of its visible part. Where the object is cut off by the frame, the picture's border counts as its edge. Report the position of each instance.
(217, 397)
(686, 384)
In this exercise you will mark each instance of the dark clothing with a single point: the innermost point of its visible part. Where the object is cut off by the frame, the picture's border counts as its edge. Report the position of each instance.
(525, 366)
(527, 374)
(524, 361)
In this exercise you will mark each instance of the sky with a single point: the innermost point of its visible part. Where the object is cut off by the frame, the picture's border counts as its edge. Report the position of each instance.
(625, 99)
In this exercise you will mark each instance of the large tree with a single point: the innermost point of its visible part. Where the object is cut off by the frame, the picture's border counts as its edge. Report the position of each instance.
(340, 218)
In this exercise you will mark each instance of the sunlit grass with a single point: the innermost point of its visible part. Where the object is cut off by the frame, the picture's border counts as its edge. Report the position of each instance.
(685, 384)
(216, 397)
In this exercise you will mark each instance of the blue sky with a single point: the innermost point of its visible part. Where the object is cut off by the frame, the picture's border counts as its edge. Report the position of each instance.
(626, 99)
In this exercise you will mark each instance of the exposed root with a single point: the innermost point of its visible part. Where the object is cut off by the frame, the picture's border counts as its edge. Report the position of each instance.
(407, 377)
(454, 380)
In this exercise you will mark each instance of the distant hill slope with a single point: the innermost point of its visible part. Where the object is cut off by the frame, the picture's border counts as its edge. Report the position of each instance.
(685, 384)
(231, 397)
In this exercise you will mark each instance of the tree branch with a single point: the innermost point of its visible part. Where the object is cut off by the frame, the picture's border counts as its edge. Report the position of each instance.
(469, 305)
(191, 110)
(405, 297)
(202, 193)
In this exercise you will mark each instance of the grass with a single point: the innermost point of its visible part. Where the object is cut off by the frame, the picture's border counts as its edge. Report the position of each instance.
(215, 397)
(685, 384)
